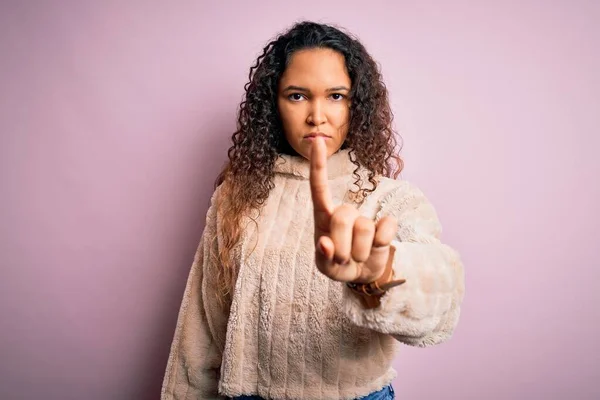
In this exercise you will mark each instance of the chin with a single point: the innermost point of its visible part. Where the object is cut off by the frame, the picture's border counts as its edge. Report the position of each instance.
(302, 148)
(305, 154)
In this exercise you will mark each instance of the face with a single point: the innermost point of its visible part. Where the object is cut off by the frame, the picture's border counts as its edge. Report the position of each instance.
(313, 99)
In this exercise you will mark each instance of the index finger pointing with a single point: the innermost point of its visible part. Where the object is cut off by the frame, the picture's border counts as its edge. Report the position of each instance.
(319, 186)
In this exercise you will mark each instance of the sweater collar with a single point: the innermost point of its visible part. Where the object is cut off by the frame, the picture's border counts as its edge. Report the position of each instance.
(339, 164)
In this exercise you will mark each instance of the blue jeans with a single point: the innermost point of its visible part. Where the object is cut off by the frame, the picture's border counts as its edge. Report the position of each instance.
(387, 393)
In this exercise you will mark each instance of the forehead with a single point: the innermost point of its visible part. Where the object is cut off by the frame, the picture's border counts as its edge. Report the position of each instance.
(316, 68)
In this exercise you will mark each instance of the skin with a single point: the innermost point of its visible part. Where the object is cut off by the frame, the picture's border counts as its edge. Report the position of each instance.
(313, 97)
(349, 247)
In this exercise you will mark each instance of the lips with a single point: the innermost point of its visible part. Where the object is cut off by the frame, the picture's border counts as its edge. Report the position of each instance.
(313, 135)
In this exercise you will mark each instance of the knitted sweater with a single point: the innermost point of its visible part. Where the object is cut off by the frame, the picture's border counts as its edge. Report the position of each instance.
(292, 333)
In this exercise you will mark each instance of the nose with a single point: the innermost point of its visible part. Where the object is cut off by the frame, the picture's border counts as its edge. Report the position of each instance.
(317, 115)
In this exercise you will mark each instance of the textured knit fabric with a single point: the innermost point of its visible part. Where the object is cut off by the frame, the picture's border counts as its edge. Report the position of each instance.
(387, 393)
(292, 333)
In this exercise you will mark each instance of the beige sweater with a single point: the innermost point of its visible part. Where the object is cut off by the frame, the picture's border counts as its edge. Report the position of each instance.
(291, 332)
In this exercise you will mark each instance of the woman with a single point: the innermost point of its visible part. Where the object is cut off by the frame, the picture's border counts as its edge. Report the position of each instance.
(314, 262)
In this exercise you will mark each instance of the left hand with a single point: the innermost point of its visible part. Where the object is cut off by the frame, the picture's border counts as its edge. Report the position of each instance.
(349, 247)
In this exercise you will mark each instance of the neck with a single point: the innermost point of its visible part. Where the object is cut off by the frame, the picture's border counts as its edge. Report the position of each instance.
(338, 164)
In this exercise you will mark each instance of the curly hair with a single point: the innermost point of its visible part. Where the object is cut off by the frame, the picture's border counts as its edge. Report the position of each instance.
(247, 178)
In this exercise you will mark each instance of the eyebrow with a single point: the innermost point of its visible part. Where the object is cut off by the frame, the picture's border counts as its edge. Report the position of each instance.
(301, 89)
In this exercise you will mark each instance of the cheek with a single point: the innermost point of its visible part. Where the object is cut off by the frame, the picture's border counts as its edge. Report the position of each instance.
(292, 118)
(342, 117)
(284, 115)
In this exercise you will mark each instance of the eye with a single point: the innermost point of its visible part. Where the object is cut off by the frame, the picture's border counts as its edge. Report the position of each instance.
(296, 96)
(337, 96)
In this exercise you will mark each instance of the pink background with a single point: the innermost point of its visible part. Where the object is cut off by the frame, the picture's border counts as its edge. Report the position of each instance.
(115, 119)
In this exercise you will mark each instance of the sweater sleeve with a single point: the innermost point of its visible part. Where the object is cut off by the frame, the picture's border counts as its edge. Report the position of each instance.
(193, 368)
(425, 309)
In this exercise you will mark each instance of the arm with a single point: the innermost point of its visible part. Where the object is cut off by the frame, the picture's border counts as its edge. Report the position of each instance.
(194, 363)
(425, 309)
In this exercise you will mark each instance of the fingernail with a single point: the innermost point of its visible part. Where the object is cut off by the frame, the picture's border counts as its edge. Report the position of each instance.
(321, 249)
(341, 261)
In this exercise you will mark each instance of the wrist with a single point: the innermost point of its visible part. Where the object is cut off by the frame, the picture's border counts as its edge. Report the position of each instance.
(371, 292)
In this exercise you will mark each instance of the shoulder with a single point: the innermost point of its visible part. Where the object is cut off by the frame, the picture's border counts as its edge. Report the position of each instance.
(215, 198)
(214, 206)
(396, 190)
(404, 200)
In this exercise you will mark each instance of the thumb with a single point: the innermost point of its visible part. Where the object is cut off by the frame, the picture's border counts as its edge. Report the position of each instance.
(325, 248)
